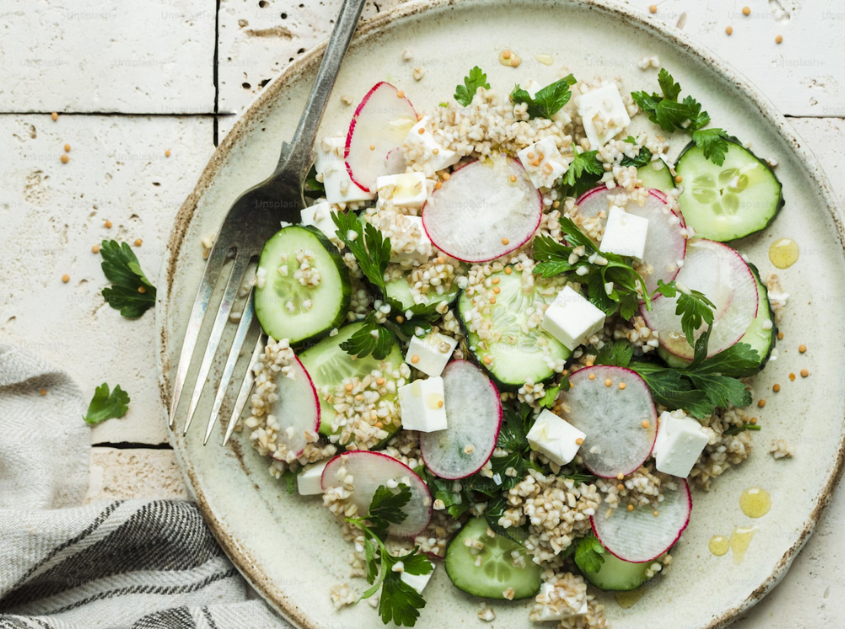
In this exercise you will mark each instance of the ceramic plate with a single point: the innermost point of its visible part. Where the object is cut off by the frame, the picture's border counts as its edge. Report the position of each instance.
(290, 548)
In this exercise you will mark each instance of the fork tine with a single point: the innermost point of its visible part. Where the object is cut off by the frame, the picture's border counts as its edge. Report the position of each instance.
(246, 387)
(235, 278)
(234, 354)
(209, 278)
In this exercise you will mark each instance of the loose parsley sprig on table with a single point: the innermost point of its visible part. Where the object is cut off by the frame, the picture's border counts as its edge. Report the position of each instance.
(399, 602)
(107, 405)
(606, 270)
(547, 101)
(131, 292)
(475, 79)
(672, 115)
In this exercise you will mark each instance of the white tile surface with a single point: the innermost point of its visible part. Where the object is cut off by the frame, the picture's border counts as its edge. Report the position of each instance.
(151, 57)
(52, 213)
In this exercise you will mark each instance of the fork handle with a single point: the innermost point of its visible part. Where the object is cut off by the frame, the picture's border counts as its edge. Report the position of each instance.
(297, 155)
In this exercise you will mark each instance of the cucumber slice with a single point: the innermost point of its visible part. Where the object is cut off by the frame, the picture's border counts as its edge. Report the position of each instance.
(757, 336)
(616, 575)
(497, 571)
(399, 291)
(280, 304)
(329, 365)
(657, 175)
(722, 203)
(521, 355)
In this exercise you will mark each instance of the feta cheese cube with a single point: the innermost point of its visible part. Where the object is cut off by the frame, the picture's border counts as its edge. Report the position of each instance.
(308, 481)
(532, 87)
(418, 581)
(414, 243)
(330, 164)
(405, 190)
(423, 148)
(680, 441)
(431, 353)
(554, 437)
(603, 114)
(557, 611)
(422, 405)
(625, 234)
(543, 162)
(320, 216)
(571, 318)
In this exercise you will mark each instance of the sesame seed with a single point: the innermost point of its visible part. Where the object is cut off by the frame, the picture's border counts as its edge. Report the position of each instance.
(589, 363)
(579, 441)
(415, 359)
(506, 54)
(656, 513)
(622, 385)
(67, 148)
(645, 423)
(630, 507)
(64, 159)
(400, 319)
(608, 382)
(513, 178)
(508, 270)
(805, 373)
(497, 290)
(142, 290)
(138, 242)
(779, 39)
(372, 147)
(776, 388)
(746, 10)
(439, 403)
(620, 487)
(495, 280)
(505, 241)
(753, 420)
(653, 8)
(445, 176)
(400, 94)
(65, 278)
(620, 476)
(108, 224)
(761, 403)
(438, 185)
(592, 376)
(54, 116)
(792, 377)
(487, 360)
(729, 30)
(780, 336)
(421, 131)
(802, 348)
(167, 153)
(492, 300)
(43, 391)
(678, 179)
(95, 249)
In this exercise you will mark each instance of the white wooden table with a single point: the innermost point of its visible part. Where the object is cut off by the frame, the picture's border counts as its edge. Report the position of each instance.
(133, 80)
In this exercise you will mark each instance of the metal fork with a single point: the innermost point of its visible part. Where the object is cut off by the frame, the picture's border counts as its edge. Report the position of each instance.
(252, 220)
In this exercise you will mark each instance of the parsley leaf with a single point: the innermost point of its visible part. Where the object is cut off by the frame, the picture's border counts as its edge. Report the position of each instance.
(616, 353)
(671, 115)
(713, 143)
(290, 481)
(313, 188)
(399, 601)
(578, 477)
(475, 79)
(589, 554)
(386, 506)
(642, 159)
(372, 338)
(547, 101)
(494, 511)
(735, 430)
(583, 173)
(670, 389)
(692, 305)
(131, 292)
(370, 248)
(105, 405)
(549, 397)
(441, 489)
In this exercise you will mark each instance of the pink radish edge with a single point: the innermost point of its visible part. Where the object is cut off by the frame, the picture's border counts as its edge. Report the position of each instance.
(411, 474)
(314, 393)
(530, 236)
(747, 269)
(354, 123)
(498, 426)
(654, 409)
(685, 485)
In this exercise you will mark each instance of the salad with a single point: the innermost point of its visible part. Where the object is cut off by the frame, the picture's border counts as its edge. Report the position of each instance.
(509, 338)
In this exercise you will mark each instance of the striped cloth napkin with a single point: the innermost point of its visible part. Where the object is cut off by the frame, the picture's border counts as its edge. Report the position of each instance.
(136, 564)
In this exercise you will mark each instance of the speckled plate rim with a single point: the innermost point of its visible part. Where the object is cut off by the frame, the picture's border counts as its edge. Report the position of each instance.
(368, 30)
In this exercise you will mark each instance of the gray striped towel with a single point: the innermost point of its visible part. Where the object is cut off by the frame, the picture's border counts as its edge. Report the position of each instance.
(135, 564)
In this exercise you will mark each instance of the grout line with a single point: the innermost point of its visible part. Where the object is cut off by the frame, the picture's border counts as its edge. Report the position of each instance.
(118, 113)
(125, 445)
(216, 73)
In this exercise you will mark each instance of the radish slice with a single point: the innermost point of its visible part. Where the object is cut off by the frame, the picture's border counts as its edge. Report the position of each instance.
(297, 407)
(474, 416)
(395, 163)
(379, 126)
(637, 536)
(480, 213)
(725, 279)
(665, 242)
(369, 471)
(612, 417)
